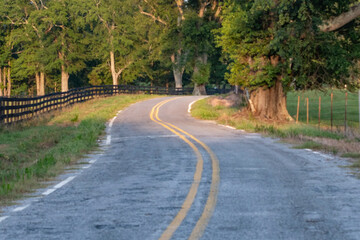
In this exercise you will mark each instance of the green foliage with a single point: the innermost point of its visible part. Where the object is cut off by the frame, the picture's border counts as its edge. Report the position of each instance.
(202, 75)
(51, 36)
(351, 155)
(197, 34)
(262, 41)
(266, 39)
(116, 30)
(202, 56)
(310, 145)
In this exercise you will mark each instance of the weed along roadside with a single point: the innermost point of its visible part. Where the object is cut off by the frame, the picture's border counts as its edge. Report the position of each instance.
(38, 150)
(300, 135)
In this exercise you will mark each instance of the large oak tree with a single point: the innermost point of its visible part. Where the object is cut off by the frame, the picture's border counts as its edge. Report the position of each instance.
(276, 45)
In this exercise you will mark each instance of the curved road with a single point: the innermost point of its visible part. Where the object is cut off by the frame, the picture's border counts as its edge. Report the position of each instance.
(161, 174)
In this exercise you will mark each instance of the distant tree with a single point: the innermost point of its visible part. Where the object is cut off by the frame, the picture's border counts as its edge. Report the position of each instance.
(105, 41)
(5, 58)
(119, 44)
(187, 38)
(31, 57)
(163, 19)
(66, 33)
(10, 20)
(201, 18)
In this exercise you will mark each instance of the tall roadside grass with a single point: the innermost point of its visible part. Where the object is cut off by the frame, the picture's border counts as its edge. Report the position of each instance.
(38, 150)
(302, 135)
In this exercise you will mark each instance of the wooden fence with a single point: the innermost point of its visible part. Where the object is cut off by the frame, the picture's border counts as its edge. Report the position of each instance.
(16, 109)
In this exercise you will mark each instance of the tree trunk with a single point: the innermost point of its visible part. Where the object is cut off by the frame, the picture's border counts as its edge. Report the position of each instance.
(64, 74)
(4, 81)
(199, 89)
(270, 103)
(114, 75)
(236, 90)
(178, 71)
(1, 83)
(37, 79)
(178, 78)
(64, 79)
(42, 84)
(9, 80)
(341, 20)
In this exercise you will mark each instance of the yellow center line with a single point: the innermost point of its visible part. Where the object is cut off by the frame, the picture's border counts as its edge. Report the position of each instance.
(214, 187)
(167, 234)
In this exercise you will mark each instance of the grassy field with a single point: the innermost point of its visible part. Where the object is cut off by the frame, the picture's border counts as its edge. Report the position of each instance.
(301, 135)
(338, 107)
(40, 149)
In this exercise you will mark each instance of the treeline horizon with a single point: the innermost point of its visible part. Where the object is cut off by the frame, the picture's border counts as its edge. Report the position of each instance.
(268, 47)
(54, 45)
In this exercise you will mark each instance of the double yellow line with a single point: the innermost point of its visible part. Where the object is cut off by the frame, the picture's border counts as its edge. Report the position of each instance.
(211, 201)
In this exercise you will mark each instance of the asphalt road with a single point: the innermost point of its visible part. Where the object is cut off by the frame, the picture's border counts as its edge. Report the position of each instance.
(161, 174)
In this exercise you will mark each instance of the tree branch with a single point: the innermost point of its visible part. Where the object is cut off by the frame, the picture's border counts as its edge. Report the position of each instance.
(49, 29)
(60, 26)
(12, 22)
(105, 23)
(341, 20)
(180, 5)
(122, 69)
(36, 30)
(203, 6)
(216, 6)
(98, 3)
(35, 4)
(151, 15)
(152, 7)
(43, 5)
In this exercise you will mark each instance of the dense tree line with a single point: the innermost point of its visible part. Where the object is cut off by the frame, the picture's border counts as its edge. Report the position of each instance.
(45, 45)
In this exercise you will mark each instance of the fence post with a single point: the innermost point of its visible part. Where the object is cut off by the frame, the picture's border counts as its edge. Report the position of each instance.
(346, 100)
(307, 110)
(332, 96)
(2, 112)
(319, 110)
(298, 108)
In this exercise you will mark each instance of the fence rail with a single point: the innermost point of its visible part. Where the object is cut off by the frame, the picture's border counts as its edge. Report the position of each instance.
(17, 109)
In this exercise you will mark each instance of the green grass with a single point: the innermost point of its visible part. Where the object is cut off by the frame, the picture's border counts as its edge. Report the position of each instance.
(205, 111)
(223, 115)
(355, 156)
(296, 133)
(351, 155)
(310, 145)
(40, 149)
(338, 107)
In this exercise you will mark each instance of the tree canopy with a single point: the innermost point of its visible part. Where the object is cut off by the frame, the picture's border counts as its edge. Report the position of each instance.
(267, 39)
(277, 45)
(51, 45)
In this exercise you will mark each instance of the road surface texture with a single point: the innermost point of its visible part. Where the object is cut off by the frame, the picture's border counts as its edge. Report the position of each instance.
(161, 174)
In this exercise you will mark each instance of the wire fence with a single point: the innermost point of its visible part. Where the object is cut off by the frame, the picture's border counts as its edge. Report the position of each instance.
(335, 109)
